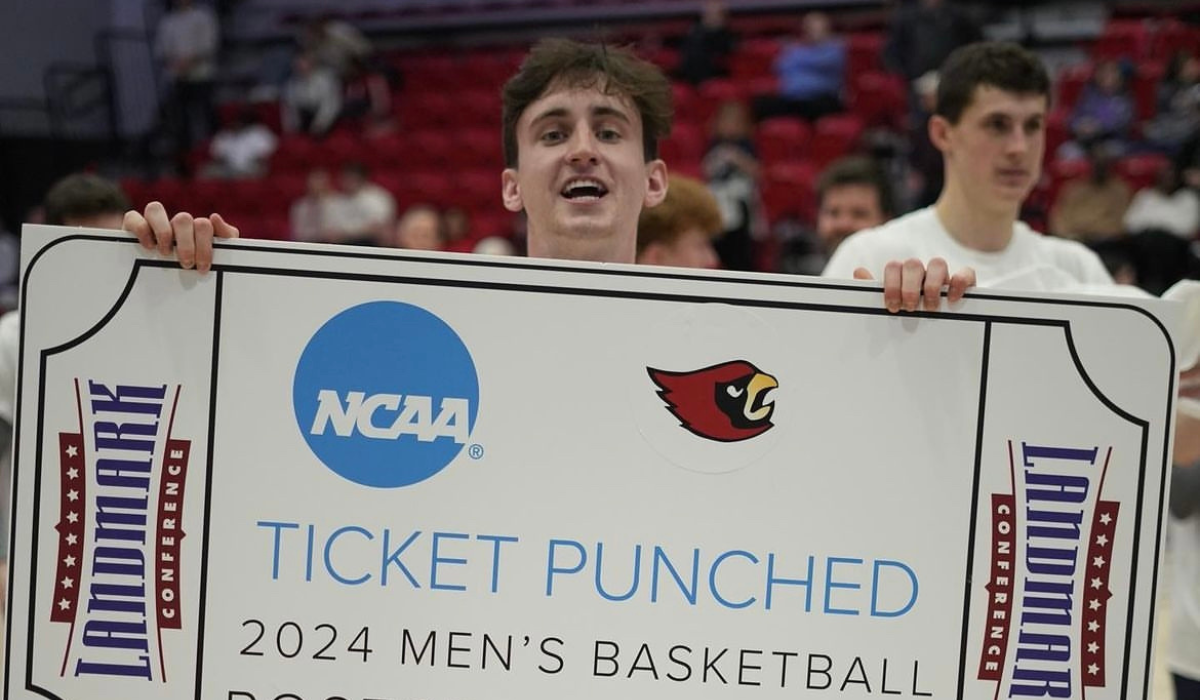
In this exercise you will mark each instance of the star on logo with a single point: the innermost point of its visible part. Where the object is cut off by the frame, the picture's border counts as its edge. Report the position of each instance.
(1093, 669)
(1094, 604)
(1093, 648)
(69, 561)
(72, 495)
(72, 517)
(64, 604)
(72, 451)
(1098, 561)
(1097, 583)
(1102, 540)
(1093, 626)
(68, 582)
(71, 539)
(1105, 519)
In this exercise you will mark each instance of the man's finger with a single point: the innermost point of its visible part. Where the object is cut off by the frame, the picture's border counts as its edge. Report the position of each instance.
(136, 224)
(962, 280)
(160, 226)
(862, 273)
(935, 279)
(913, 278)
(185, 239)
(203, 229)
(222, 228)
(892, 273)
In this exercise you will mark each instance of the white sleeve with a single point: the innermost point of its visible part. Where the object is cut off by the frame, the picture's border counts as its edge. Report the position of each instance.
(850, 255)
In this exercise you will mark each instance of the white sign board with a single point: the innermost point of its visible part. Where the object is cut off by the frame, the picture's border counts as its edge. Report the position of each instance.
(323, 472)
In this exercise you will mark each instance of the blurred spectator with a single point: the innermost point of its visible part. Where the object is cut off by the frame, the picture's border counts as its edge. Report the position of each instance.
(704, 53)
(366, 212)
(335, 44)
(314, 216)
(186, 44)
(679, 231)
(811, 71)
(1103, 115)
(924, 33)
(732, 169)
(1187, 161)
(367, 97)
(456, 230)
(242, 149)
(419, 229)
(312, 98)
(1092, 208)
(1178, 103)
(494, 245)
(1167, 206)
(927, 174)
(853, 194)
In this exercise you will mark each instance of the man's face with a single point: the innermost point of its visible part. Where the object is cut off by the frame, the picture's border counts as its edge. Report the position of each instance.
(581, 176)
(419, 232)
(994, 152)
(847, 209)
(693, 248)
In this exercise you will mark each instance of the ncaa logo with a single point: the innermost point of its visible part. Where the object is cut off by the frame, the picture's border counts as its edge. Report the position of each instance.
(385, 394)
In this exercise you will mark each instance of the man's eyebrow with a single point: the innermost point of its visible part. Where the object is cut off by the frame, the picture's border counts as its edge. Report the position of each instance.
(552, 113)
(607, 111)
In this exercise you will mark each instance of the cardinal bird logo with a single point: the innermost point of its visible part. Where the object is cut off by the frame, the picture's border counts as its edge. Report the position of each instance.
(728, 402)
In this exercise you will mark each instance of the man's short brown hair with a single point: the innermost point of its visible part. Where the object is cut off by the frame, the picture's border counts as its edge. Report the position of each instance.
(611, 69)
(83, 196)
(857, 170)
(998, 64)
(689, 205)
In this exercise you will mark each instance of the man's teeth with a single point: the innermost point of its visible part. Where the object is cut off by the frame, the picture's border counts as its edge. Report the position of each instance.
(584, 188)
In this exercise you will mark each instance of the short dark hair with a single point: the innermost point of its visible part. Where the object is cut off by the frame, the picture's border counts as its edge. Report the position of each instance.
(82, 196)
(858, 170)
(612, 69)
(998, 64)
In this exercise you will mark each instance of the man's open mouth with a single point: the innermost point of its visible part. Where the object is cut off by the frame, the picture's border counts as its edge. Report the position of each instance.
(584, 189)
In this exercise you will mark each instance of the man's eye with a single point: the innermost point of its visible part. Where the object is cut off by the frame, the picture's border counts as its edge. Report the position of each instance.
(608, 134)
(1033, 127)
(553, 136)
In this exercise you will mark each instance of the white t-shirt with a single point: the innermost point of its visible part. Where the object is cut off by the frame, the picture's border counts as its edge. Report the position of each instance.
(190, 34)
(243, 150)
(1183, 651)
(1031, 262)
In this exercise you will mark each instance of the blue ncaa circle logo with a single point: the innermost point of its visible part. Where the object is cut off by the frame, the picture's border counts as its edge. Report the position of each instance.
(386, 394)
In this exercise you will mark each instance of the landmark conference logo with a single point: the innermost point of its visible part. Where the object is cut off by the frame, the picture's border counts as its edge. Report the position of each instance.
(122, 475)
(385, 394)
(1053, 536)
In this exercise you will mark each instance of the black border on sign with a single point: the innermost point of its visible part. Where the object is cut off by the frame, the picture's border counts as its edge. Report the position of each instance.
(475, 262)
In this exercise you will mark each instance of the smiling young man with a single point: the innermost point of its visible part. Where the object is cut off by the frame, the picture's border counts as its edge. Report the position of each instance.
(990, 125)
(581, 125)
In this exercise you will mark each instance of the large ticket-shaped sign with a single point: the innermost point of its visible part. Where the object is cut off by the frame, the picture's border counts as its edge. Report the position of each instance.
(323, 473)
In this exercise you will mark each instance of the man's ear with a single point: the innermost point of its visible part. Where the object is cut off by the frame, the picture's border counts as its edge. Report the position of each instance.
(939, 132)
(510, 191)
(656, 183)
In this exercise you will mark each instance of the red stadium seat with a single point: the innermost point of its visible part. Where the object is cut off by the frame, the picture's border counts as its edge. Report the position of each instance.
(1173, 36)
(787, 191)
(864, 52)
(686, 144)
(834, 136)
(879, 98)
(1141, 170)
(754, 58)
(782, 139)
(1145, 88)
(1071, 81)
(476, 190)
(427, 109)
(1121, 39)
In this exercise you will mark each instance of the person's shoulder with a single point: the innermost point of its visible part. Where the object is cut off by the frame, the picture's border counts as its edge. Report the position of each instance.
(1065, 253)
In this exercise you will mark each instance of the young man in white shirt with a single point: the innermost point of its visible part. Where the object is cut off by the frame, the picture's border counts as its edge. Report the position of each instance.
(989, 125)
